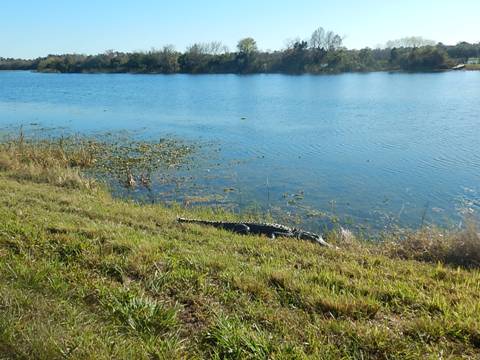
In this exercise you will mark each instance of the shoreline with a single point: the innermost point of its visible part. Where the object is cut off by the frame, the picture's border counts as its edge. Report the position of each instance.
(392, 71)
(85, 163)
(129, 168)
(116, 278)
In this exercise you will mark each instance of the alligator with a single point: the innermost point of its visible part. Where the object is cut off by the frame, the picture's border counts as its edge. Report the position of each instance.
(267, 229)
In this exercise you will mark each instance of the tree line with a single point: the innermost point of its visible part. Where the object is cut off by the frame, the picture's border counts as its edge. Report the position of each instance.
(323, 52)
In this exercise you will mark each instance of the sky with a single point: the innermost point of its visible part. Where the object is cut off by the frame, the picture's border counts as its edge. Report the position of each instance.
(32, 28)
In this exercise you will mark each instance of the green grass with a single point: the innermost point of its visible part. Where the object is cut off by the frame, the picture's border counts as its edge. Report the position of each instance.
(83, 275)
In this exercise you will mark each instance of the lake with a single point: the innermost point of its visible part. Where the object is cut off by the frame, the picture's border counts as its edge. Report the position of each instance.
(373, 150)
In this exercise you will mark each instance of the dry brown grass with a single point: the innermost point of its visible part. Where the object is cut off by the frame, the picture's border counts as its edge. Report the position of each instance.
(46, 162)
(457, 248)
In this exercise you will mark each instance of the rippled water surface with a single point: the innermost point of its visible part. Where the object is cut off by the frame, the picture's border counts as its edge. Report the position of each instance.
(374, 148)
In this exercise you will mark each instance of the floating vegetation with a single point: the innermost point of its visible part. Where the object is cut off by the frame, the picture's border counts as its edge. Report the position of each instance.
(295, 198)
(137, 161)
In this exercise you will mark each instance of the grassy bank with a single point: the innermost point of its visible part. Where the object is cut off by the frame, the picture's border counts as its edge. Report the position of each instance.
(83, 275)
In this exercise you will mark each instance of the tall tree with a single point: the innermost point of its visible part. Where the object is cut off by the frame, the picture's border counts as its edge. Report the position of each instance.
(317, 40)
(326, 40)
(247, 46)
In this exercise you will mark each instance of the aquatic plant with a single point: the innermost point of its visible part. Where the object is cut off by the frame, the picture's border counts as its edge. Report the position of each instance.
(128, 162)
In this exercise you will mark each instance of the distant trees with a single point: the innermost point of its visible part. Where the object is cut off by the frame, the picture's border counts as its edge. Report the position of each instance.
(169, 60)
(409, 42)
(326, 40)
(208, 48)
(212, 57)
(155, 61)
(63, 63)
(17, 64)
(416, 53)
(246, 56)
(322, 53)
(194, 58)
(366, 57)
(463, 51)
(295, 58)
(322, 43)
(424, 58)
(317, 40)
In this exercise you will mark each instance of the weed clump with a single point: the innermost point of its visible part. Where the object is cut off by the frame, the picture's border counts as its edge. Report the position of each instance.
(457, 248)
(139, 312)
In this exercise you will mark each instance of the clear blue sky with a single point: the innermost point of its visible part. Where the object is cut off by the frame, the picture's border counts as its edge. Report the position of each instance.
(31, 28)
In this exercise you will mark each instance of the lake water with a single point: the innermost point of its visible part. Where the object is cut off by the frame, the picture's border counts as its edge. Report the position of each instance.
(375, 149)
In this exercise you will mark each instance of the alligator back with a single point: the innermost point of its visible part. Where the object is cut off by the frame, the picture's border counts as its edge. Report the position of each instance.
(268, 229)
(254, 226)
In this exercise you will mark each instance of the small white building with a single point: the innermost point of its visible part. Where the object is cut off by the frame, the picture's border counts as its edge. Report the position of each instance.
(473, 61)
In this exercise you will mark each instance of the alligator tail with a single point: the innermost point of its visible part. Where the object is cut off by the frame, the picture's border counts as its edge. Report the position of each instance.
(194, 221)
(185, 220)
